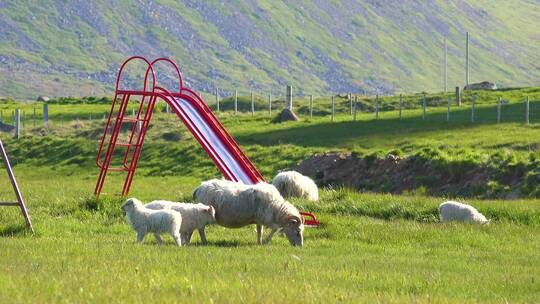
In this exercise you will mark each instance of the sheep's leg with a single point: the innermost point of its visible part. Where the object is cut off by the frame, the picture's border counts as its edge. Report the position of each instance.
(269, 237)
(177, 238)
(186, 238)
(140, 236)
(260, 231)
(159, 239)
(202, 234)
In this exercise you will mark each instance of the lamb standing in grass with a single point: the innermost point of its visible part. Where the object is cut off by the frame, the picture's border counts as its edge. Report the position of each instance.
(194, 216)
(238, 205)
(454, 211)
(144, 221)
(294, 184)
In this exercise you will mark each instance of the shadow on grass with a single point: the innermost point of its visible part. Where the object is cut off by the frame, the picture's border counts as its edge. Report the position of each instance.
(330, 134)
(15, 230)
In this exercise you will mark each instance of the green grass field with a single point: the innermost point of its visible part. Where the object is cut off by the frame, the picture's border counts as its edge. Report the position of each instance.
(372, 247)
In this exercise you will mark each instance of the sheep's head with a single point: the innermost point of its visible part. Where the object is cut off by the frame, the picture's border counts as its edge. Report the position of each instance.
(211, 213)
(294, 230)
(130, 204)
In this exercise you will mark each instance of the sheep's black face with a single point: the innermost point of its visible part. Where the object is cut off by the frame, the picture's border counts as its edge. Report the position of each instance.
(294, 230)
(127, 205)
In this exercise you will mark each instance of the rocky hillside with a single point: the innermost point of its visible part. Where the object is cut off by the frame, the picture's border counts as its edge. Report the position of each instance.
(54, 47)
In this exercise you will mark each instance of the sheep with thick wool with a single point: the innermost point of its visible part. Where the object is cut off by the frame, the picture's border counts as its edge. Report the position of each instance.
(238, 205)
(294, 184)
(144, 221)
(455, 211)
(194, 217)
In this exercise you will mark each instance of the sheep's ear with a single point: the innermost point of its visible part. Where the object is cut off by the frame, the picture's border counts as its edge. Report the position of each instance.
(295, 219)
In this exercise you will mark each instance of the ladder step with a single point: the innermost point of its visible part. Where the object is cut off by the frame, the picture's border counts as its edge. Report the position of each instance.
(126, 145)
(132, 119)
(117, 169)
(9, 204)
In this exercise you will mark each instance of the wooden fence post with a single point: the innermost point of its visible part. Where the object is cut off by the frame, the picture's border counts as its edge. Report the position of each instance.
(45, 114)
(270, 103)
(499, 110)
(17, 123)
(252, 104)
(235, 101)
(448, 111)
(400, 105)
(332, 108)
(377, 106)
(310, 106)
(424, 107)
(473, 107)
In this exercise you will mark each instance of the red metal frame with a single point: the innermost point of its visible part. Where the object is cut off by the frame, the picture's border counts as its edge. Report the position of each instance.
(149, 95)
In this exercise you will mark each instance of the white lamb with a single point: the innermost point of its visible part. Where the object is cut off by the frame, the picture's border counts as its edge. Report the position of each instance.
(144, 221)
(294, 184)
(238, 205)
(454, 211)
(194, 216)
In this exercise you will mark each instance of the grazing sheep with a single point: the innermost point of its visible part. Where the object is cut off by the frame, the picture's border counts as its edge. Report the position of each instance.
(294, 184)
(194, 216)
(238, 205)
(454, 211)
(144, 220)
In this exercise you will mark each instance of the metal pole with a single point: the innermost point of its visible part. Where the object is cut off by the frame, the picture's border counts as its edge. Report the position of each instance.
(289, 97)
(527, 111)
(467, 60)
(217, 99)
(445, 66)
(310, 106)
(270, 103)
(45, 114)
(235, 101)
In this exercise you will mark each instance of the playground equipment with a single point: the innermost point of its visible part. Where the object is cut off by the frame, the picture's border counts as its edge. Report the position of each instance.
(191, 109)
(20, 201)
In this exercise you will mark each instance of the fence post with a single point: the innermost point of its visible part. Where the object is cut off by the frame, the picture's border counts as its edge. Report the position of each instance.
(235, 101)
(355, 106)
(310, 106)
(424, 107)
(289, 100)
(133, 112)
(400, 105)
(498, 110)
(217, 100)
(270, 103)
(252, 104)
(377, 106)
(473, 107)
(527, 111)
(45, 114)
(458, 97)
(167, 109)
(17, 123)
(448, 111)
(332, 108)
(90, 116)
(351, 102)
(104, 116)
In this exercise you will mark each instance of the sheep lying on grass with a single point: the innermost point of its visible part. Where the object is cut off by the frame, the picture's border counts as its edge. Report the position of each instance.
(294, 184)
(238, 205)
(194, 216)
(144, 220)
(454, 211)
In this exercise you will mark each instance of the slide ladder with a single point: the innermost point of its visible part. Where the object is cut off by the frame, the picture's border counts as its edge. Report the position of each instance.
(190, 108)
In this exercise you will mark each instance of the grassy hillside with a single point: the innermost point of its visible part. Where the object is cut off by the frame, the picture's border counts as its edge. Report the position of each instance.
(57, 48)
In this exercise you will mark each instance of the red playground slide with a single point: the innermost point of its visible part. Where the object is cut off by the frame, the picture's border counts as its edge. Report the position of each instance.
(195, 114)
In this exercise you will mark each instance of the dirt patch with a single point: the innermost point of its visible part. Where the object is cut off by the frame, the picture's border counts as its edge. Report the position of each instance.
(394, 174)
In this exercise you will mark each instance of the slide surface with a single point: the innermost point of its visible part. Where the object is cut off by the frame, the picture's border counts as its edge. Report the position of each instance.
(205, 132)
